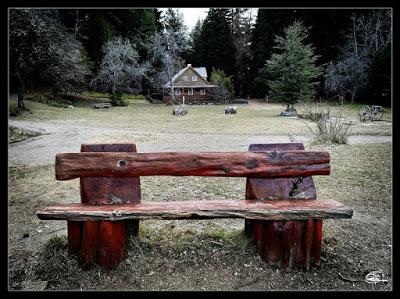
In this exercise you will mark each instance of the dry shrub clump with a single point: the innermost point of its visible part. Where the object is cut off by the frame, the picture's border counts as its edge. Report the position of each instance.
(330, 130)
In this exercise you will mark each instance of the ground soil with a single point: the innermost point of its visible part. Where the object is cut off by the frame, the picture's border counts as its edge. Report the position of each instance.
(203, 254)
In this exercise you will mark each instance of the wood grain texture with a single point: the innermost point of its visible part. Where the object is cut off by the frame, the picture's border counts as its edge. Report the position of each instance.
(284, 243)
(111, 243)
(103, 242)
(74, 236)
(249, 209)
(225, 164)
(103, 190)
(88, 252)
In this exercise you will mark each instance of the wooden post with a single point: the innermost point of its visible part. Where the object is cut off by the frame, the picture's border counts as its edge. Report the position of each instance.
(104, 242)
(288, 244)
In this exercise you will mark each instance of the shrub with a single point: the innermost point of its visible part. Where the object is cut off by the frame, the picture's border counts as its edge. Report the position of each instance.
(14, 111)
(51, 100)
(314, 112)
(117, 100)
(332, 130)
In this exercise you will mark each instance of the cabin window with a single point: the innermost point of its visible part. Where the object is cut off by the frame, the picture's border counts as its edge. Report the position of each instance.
(194, 78)
(202, 91)
(177, 91)
(185, 78)
(190, 91)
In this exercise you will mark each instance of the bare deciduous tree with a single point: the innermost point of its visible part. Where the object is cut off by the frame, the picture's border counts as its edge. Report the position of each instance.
(120, 70)
(369, 33)
(165, 56)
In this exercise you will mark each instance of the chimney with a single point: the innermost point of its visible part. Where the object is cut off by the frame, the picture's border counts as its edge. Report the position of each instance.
(189, 65)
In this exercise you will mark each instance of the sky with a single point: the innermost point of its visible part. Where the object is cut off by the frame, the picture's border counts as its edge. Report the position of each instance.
(191, 15)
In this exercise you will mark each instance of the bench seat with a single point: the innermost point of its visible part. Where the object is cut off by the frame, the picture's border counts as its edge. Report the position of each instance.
(248, 209)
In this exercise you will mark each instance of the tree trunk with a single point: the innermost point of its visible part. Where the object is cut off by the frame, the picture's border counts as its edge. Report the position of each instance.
(21, 104)
(173, 95)
(353, 95)
(21, 91)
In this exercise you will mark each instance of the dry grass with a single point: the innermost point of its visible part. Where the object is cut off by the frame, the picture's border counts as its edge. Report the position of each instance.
(204, 254)
(18, 134)
(255, 118)
(208, 254)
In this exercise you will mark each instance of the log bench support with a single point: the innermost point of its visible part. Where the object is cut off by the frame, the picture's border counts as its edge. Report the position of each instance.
(287, 244)
(282, 216)
(104, 242)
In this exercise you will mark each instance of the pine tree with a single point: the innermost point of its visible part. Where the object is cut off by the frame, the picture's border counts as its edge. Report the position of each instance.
(215, 47)
(293, 66)
(192, 56)
(174, 25)
(241, 33)
(269, 22)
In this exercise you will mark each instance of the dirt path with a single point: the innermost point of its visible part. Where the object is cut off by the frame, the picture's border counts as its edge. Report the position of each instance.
(67, 137)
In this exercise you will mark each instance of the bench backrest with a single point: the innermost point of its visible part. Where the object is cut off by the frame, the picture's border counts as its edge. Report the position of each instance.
(292, 163)
(109, 171)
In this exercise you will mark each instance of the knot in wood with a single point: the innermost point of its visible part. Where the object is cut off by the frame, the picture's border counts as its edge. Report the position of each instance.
(117, 213)
(253, 163)
(121, 163)
(226, 169)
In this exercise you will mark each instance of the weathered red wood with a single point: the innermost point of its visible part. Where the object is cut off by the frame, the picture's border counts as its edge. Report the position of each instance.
(74, 236)
(105, 190)
(111, 240)
(285, 243)
(316, 249)
(309, 236)
(88, 252)
(249, 209)
(101, 190)
(258, 234)
(101, 242)
(226, 164)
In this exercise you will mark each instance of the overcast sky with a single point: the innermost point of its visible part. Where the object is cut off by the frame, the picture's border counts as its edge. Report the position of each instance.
(191, 15)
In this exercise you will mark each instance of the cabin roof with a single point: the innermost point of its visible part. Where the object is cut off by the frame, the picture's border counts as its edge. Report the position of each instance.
(201, 71)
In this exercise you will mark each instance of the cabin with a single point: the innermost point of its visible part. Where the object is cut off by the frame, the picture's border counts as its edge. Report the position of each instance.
(191, 84)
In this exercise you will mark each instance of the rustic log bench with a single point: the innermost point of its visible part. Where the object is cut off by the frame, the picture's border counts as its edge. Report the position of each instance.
(101, 105)
(282, 216)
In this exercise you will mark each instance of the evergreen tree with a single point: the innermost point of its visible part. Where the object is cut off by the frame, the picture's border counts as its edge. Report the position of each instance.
(215, 47)
(174, 25)
(144, 27)
(100, 31)
(192, 56)
(293, 66)
(225, 89)
(158, 21)
(269, 22)
(41, 49)
(241, 34)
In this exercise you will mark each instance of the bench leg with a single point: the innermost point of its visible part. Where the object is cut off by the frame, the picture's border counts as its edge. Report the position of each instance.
(97, 242)
(288, 244)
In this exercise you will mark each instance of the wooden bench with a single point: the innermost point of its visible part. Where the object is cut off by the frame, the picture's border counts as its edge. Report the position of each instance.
(282, 216)
(102, 105)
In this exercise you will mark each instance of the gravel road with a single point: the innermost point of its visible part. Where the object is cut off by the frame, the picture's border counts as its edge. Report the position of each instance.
(67, 137)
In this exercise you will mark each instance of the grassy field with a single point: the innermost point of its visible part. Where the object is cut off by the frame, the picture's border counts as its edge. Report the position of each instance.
(255, 118)
(204, 254)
